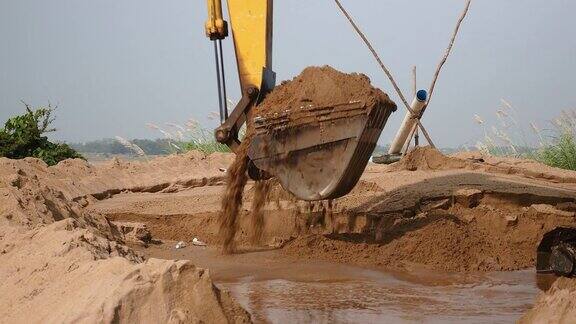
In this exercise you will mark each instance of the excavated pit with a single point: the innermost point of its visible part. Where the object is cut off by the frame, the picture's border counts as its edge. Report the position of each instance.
(449, 250)
(447, 230)
(468, 231)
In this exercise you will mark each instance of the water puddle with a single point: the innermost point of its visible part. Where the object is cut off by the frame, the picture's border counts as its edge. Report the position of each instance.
(385, 298)
(276, 290)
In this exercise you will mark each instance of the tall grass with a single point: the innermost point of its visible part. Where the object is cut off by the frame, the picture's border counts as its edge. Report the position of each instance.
(188, 137)
(555, 146)
(132, 147)
(561, 152)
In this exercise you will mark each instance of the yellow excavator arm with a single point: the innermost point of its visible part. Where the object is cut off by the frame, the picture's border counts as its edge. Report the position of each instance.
(251, 24)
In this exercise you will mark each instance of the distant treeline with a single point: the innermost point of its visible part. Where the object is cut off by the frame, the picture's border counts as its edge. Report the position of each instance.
(113, 146)
(165, 146)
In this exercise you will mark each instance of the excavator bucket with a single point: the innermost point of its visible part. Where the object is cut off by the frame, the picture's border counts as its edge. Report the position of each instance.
(319, 152)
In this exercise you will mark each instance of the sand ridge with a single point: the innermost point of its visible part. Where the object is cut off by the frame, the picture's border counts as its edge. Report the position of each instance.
(62, 263)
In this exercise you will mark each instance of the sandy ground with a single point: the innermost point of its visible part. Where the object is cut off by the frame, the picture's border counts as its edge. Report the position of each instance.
(60, 263)
(457, 215)
(61, 236)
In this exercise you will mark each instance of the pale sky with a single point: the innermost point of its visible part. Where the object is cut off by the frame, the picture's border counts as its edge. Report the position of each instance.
(112, 66)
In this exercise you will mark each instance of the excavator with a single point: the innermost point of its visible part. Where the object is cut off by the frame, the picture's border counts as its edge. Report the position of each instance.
(325, 161)
(315, 162)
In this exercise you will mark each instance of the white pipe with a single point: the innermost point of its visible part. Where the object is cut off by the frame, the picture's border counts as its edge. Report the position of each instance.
(408, 123)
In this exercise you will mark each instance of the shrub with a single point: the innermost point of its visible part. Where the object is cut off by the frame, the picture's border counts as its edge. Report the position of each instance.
(23, 136)
(560, 152)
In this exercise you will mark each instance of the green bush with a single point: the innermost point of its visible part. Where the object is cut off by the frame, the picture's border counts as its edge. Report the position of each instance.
(22, 136)
(561, 153)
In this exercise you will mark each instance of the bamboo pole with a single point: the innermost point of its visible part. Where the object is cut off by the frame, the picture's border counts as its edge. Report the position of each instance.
(386, 71)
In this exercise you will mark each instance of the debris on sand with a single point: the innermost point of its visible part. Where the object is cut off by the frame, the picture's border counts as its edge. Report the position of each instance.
(197, 242)
(180, 245)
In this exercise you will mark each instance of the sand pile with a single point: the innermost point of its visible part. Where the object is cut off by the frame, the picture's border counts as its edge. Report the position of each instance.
(320, 87)
(60, 263)
(428, 158)
(76, 180)
(485, 238)
(65, 273)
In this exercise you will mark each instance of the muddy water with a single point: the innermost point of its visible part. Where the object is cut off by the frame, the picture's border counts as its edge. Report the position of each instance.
(277, 291)
(382, 297)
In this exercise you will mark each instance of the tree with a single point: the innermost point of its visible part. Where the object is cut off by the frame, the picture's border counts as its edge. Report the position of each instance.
(23, 136)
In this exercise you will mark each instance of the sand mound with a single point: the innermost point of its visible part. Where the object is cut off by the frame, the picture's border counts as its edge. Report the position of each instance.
(556, 305)
(442, 245)
(427, 158)
(320, 87)
(60, 263)
(469, 231)
(36, 190)
(522, 167)
(65, 273)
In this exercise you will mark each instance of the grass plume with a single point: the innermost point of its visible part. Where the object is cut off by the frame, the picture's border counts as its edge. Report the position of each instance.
(557, 149)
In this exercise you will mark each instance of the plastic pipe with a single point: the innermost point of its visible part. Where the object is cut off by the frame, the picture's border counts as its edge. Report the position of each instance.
(408, 123)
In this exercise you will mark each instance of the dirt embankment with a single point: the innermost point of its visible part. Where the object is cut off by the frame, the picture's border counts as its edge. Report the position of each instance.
(61, 263)
(453, 214)
(470, 217)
